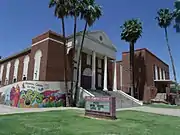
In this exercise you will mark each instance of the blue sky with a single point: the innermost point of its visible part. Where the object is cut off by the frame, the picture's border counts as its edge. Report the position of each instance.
(24, 19)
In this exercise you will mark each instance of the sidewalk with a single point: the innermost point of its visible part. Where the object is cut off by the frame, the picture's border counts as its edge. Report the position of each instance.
(163, 111)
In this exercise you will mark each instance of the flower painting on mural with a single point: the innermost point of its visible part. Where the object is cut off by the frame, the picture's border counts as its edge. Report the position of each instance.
(27, 98)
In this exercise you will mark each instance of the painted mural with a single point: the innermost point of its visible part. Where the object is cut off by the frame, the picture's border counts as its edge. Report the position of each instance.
(32, 95)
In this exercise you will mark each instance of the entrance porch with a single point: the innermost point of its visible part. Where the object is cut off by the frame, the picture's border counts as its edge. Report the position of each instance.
(97, 54)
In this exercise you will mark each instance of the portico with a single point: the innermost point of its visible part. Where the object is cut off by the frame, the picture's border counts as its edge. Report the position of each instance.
(97, 55)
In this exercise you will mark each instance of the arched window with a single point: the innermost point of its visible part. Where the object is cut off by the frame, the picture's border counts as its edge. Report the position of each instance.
(37, 64)
(1, 73)
(7, 73)
(16, 65)
(25, 68)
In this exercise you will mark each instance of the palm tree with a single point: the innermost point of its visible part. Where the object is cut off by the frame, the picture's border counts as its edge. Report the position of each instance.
(90, 12)
(177, 15)
(131, 32)
(61, 11)
(164, 19)
(75, 9)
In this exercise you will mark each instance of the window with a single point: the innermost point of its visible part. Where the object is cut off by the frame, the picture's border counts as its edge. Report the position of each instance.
(88, 60)
(25, 68)
(16, 65)
(7, 73)
(164, 75)
(155, 73)
(1, 72)
(160, 73)
(99, 80)
(37, 64)
(99, 63)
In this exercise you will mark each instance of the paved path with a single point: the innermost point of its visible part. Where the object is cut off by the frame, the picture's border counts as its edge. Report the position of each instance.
(11, 110)
(163, 111)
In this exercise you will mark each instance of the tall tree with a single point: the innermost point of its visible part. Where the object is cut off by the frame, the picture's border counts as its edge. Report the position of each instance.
(61, 11)
(131, 32)
(177, 15)
(75, 9)
(164, 19)
(90, 12)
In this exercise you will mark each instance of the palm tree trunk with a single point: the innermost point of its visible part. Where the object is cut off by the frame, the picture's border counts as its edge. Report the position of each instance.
(132, 86)
(72, 69)
(170, 54)
(82, 42)
(65, 63)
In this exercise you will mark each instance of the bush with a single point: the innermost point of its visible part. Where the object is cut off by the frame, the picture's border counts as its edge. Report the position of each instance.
(81, 103)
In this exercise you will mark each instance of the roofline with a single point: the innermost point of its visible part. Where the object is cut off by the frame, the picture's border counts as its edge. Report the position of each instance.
(145, 49)
(15, 55)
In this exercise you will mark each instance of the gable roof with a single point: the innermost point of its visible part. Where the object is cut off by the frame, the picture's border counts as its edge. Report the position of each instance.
(93, 36)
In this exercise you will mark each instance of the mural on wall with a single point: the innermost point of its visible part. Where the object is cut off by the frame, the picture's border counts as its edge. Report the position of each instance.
(32, 95)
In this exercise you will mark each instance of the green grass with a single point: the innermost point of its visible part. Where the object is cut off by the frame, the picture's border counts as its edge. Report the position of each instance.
(71, 122)
(164, 106)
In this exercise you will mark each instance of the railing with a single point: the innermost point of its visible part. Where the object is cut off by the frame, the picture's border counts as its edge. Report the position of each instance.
(87, 92)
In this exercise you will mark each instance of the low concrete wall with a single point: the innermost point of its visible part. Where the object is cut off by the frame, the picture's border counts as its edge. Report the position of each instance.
(33, 94)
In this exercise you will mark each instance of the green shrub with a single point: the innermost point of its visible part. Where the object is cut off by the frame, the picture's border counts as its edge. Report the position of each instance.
(81, 103)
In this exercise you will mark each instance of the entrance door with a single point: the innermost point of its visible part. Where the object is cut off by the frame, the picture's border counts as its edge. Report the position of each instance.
(86, 78)
(86, 82)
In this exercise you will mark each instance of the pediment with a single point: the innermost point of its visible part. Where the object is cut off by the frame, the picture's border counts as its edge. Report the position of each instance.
(102, 38)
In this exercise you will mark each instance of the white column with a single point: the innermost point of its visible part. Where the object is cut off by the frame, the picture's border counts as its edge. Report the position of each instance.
(93, 81)
(79, 83)
(115, 78)
(105, 74)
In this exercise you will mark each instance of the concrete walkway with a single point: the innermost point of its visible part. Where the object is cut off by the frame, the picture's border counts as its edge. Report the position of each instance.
(164, 111)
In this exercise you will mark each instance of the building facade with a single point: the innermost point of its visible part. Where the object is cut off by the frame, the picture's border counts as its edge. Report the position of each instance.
(43, 61)
(150, 72)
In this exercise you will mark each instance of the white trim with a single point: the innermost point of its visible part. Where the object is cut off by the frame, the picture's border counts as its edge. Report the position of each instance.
(162, 80)
(46, 40)
(87, 92)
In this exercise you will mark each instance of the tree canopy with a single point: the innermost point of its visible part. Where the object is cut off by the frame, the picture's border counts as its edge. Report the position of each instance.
(131, 30)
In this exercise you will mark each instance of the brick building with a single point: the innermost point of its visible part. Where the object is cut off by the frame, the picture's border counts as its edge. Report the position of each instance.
(44, 61)
(150, 71)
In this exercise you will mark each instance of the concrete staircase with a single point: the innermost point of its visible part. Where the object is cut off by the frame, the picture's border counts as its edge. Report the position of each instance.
(123, 100)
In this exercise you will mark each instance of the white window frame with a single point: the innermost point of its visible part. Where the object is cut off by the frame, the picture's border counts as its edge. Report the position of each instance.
(37, 65)
(1, 72)
(16, 67)
(8, 67)
(25, 67)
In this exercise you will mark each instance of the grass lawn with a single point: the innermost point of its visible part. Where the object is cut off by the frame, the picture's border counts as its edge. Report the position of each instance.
(70, 122)
(164, 106)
